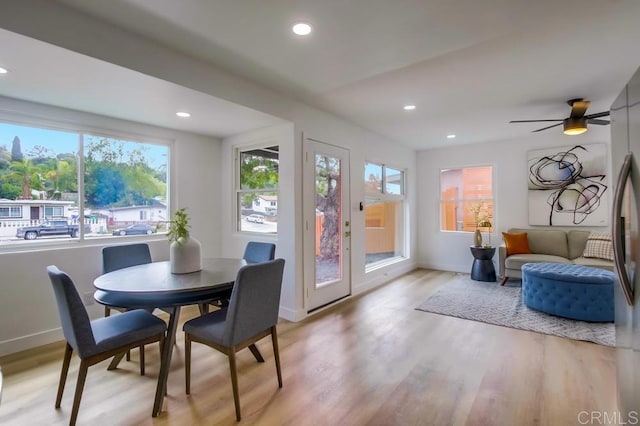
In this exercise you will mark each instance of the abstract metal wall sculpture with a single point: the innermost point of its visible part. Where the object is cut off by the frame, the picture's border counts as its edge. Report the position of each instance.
(568, 186)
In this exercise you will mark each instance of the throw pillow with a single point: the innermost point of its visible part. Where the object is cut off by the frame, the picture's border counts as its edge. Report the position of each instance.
(516, 243)
(599, 246)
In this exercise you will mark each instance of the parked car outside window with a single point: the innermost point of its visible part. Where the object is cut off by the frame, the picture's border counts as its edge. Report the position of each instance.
(256, 218)
(136, 229)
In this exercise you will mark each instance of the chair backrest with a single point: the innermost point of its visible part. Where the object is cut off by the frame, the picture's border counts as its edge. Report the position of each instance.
(76, 325)
(119, 257)
(256, 252)
(254, 302)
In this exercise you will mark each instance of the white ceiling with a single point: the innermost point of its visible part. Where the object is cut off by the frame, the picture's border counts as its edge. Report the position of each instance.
(469, 66)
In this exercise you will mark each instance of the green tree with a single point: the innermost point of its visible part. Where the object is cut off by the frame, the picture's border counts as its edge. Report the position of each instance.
(16, 150)
(328, 202)
(5, 158)
(9, 191)
(104, 185)
(28, 175)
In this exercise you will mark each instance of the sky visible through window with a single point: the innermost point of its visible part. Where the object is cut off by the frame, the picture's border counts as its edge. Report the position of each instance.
(67, 142)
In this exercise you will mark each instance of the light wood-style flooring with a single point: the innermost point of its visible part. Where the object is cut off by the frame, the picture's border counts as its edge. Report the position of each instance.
(371, 360)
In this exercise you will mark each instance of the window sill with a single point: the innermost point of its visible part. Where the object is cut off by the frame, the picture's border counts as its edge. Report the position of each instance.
(383, 263)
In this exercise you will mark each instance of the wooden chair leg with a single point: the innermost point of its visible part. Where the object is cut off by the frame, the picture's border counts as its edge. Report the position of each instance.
(63, 373)
(187, 363)
(504, 280)
(234, 380)
(276, 354)
(142, 360)
(82, 375)
(256, 353)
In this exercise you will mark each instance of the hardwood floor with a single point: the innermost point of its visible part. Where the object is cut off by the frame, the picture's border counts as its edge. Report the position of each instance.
(373, 359)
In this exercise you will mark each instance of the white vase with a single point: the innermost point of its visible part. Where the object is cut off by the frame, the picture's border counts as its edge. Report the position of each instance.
(184, 256)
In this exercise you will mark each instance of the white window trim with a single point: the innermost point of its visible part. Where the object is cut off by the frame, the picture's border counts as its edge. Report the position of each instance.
(79, 128)
(493, 191)
(237, 191)
(383, 196)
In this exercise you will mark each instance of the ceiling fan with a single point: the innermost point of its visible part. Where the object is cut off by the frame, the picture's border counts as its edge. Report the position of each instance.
(577, 121)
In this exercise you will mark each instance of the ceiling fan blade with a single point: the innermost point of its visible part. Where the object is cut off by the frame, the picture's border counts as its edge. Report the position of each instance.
(598, 114)
(578, 108)
(545, 128)
(596, 121)
(531, 121)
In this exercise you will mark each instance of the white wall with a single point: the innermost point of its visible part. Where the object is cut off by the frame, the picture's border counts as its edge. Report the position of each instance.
(450, 250)
(56, 24)
(28, 315)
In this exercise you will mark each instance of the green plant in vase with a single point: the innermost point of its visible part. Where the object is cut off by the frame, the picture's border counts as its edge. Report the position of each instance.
(179, 227)
(184, 252)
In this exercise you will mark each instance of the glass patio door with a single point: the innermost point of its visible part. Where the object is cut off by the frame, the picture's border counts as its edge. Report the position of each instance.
(327, 224)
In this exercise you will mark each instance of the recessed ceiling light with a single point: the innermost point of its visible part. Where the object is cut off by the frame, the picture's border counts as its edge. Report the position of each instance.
(301, 28)
(183, 114)
(3, 70)
(451, 136)
(409, 107)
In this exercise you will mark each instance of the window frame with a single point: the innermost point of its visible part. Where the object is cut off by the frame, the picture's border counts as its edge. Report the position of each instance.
(239, 192)
(81, 129)
(384, 197)
(461, 200)
(11, 208)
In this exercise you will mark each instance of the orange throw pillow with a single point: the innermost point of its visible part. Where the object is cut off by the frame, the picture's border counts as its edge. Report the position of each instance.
(516, 243)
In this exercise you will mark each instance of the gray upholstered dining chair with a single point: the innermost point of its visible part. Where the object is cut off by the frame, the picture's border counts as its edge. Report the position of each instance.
(256, 252)
(252, 314)
(119, 257)
(96, 340)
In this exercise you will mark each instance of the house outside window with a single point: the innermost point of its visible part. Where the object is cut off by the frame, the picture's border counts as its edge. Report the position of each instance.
(384, 214)
(466, 198)
(257, 189)
(40, 175)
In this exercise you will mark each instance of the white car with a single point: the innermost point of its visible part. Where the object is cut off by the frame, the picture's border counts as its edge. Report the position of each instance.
(256, 218)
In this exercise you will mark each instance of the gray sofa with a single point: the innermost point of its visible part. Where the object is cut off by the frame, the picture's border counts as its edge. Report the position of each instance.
(548, 245)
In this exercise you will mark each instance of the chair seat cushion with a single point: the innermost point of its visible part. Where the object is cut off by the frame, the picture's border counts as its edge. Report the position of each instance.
(209, 327)
(596, 263)
(517, 260)
(123, 329)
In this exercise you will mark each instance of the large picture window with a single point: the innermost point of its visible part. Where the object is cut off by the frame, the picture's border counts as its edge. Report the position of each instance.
(466, 198)
(384, 214)
(257, 190)
(41, 188)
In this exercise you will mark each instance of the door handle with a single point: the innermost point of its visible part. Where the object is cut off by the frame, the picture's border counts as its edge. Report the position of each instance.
(618, 252)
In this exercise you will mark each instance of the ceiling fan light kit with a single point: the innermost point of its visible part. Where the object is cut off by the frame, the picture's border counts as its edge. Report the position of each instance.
(576, 123)
(575, 126)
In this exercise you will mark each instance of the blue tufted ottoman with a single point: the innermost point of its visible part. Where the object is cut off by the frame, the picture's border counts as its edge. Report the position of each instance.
(570, 291)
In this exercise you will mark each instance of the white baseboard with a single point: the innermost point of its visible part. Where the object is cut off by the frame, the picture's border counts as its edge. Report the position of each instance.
(31, 341)
(452, 267)
(293, 315)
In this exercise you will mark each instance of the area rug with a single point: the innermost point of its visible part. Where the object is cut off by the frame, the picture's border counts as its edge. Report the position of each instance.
(502, 305)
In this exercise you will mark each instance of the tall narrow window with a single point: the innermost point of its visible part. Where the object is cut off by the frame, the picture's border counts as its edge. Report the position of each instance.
(466, 198)
(257, 190)
(384, 214)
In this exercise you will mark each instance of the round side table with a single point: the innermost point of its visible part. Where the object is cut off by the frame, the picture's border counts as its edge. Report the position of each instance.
(482, 268)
